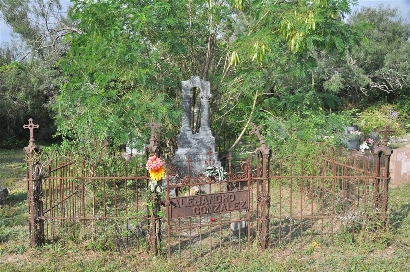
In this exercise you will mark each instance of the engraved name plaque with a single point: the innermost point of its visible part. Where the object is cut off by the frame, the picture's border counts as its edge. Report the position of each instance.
(210, 203)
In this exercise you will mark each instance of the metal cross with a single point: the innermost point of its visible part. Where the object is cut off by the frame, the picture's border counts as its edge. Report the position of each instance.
(153, 127)
(386, 132)
(31, 127)
(256, 131)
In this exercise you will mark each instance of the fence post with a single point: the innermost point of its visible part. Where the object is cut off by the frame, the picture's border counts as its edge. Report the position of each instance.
(381, 149)
(382, 182)
(265, 199)
(264, 194)
(154, 220)
(386, 182)
(34, 179)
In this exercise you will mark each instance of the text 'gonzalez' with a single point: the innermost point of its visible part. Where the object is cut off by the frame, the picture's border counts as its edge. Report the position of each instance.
(210, 203)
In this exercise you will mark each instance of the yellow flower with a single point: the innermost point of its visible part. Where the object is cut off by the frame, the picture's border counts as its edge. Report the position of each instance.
(157, 175)
(314, 244)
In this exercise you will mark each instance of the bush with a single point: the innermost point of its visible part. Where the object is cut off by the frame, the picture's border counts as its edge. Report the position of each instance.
(376, 117)
(301, 134)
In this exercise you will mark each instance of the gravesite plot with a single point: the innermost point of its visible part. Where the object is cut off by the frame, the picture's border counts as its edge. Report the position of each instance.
(204, 209)
(204, 136)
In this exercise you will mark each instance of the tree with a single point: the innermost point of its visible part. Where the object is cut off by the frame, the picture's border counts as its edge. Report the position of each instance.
(128, 57)
(30, 77)
(377, 69)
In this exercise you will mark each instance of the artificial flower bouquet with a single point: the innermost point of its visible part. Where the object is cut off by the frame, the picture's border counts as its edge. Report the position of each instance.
(367, 145)
(155, 167)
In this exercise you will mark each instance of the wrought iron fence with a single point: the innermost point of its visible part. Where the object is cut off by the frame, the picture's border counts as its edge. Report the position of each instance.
(86, 201)
(262, 201)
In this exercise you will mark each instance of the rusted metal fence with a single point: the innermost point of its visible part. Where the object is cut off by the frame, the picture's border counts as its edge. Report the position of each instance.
(103, 203)
(263, 201)
(206, 214)
(333, 194)
(87, 201)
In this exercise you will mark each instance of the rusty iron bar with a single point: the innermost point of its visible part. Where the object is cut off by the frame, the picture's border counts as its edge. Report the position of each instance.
(99, 178)
(298, 195)
(60, 167)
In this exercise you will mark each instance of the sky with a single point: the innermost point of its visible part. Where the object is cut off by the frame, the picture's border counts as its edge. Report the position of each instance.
(402, 5)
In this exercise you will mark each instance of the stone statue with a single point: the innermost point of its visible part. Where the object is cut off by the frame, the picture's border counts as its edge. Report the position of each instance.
(199, 147)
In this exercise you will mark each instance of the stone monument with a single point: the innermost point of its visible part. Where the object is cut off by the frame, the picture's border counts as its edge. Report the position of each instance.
(199, 147)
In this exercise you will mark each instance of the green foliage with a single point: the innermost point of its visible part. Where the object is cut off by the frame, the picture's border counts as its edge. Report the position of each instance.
(305, 134)
(123, 61)
(127, 60)
(376, 69)
(22, 95)
(29, 78)
(317, 25)
(375, 118)
(119, 75)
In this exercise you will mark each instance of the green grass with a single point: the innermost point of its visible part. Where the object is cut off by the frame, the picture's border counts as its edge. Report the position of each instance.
(12, 167)
(398, 145)
(366, 251)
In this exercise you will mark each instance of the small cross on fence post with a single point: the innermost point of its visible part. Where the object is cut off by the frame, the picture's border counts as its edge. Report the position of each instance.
(36, 225)
(152, 147)
(256, 131)
(31, 126)
(264, 200)
(153, 125)
(381, 184)
(386, 132)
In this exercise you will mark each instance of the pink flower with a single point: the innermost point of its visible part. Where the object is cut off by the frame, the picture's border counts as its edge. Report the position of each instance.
(154, 163)
(370, 141)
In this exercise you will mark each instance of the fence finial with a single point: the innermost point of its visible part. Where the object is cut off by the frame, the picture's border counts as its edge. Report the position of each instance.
(152, 147)
(382, 146)
(386, 132)
(31, 145)
(256, 131)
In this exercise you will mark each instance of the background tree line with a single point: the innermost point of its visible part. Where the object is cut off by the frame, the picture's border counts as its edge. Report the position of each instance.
(298, 68)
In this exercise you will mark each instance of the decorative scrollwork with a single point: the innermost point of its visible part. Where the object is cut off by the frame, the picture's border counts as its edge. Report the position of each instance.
(245, 167)
(382, 148)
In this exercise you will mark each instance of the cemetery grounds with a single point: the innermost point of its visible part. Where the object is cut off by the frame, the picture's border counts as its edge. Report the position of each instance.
(364, 251)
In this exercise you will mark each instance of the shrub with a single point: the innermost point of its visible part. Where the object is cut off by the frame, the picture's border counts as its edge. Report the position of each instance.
(376, 117)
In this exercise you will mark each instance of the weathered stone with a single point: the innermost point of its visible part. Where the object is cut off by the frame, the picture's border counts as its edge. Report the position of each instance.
(4, 192)
(352, 140)
(195, 146)
(239, 227)
(400, 166)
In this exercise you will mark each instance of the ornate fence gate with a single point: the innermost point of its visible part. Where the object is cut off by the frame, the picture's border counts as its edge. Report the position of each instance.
(206, 214)
(264, 200)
